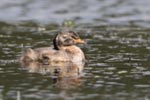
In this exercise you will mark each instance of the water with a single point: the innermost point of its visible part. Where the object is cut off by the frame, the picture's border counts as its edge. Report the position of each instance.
(124, 12)
(117, 66)
(117, 49)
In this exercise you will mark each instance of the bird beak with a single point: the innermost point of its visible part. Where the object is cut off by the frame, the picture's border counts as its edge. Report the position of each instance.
(79, 41)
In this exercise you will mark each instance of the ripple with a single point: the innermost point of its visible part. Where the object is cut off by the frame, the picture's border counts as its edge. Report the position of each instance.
(146, 73)
(104, 12)
(117, 65)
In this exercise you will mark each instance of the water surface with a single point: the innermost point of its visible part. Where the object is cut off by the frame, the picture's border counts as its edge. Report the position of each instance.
(117, 64)
(122, 12)
(117, 49)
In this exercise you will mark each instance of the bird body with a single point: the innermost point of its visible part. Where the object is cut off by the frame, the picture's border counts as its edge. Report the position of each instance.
(64, 49)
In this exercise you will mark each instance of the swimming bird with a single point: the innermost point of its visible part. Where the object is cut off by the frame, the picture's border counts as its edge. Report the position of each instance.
(63, 49)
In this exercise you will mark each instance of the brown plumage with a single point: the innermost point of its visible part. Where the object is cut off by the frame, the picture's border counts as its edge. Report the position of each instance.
(64, 49)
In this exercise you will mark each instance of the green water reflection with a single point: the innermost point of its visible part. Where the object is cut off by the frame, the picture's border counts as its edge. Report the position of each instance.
(117, 68)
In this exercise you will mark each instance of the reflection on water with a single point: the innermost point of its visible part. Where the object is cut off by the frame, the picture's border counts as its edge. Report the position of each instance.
(60, 69)
(117, 50)
(118, 66)
(64, 74)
